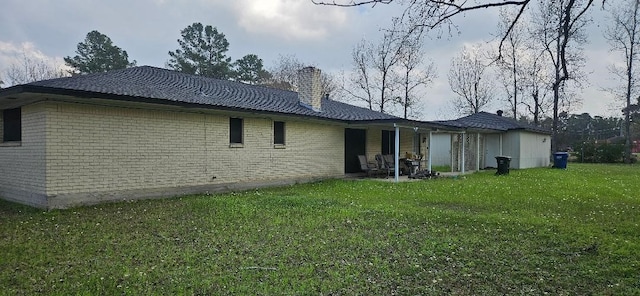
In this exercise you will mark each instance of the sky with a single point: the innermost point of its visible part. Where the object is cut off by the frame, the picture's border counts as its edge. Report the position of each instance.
(317, 35)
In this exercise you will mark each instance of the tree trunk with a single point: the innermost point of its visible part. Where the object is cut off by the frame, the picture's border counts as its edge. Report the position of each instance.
(627, 115)
(515, 83)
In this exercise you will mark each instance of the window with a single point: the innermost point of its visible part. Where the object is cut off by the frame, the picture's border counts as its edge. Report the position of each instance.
(388, 142)
(12, 125)
(417, 140)
(235, 131)
(278, 133)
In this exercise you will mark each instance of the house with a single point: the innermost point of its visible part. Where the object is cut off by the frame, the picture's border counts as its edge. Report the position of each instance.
(147, 132)
(489, 135)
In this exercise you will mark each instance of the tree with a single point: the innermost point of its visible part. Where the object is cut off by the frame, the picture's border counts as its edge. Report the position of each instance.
(249, 69)
(623, 35)
(535, 84)
(202, 52)
(510, 61)
(383, 57)
(27, 69)
(376, 67)
(523, 69)
(468, 79)
(284, 75)
(413, 73)
(432, 14)
(98, 54)
(569, 15)
(360, 76)
(577, 129)
(560, 26)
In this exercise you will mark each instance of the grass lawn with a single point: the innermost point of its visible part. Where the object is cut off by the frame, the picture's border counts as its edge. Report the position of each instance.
(533, 232)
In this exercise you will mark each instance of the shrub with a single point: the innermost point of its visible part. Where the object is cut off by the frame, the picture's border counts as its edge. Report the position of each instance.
(599, 152)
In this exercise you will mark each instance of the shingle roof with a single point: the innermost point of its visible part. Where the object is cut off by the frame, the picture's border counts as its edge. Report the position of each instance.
(484, 120)
(162, 85)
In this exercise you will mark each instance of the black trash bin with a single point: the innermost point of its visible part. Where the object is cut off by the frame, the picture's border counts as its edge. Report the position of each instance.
(503, 164)
(560, 160)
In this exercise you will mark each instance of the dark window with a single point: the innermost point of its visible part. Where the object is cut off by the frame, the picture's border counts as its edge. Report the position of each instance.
(417, 141)
(388, 142)
(12, 123)
(278, 132)
(235, 130)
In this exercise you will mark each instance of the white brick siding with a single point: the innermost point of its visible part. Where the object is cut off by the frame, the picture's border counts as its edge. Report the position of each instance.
(374, 142)
(97, 153)
(22, 165)
(309, 88)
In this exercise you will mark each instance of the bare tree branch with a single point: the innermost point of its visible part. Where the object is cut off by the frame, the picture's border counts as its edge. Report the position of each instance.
(27, 69)
(623, 35)
(467, 79)
(352, 3)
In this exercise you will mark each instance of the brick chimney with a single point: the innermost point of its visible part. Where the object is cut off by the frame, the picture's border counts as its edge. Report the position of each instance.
(309, 89)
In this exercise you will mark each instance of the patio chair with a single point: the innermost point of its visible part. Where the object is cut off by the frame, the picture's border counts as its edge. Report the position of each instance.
(370, 168)
(390, 162)
(384, 165)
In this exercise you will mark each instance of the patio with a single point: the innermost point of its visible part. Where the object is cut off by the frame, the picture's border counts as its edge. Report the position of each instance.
(404, 178)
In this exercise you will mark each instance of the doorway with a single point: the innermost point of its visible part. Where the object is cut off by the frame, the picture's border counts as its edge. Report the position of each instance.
(355, 143)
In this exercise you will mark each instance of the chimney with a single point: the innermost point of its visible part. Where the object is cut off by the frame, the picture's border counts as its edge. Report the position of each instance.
(309, 89)
(499, 112)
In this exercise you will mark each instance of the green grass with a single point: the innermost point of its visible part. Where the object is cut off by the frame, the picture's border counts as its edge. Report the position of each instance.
(532, 232)
(441, 168)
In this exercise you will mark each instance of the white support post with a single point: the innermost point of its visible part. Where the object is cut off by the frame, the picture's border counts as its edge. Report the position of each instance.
(451, 141)
(429, 152)
(477, 152)
(501, 153)
(462, 158)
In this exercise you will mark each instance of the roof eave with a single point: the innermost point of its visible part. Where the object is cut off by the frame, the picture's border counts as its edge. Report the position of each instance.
(36, 89)
(408, 123)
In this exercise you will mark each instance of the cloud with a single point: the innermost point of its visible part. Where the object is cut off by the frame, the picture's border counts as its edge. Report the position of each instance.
(18, 57)
(11, 53)
(320, 35)
(289, 19)
(26, 48)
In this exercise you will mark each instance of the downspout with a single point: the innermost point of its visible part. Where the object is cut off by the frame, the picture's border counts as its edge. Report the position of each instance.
(501, 152)
(397, 154)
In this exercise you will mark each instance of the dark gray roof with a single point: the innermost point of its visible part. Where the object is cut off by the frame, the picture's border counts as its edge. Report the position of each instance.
(156, 85)
(484, 120)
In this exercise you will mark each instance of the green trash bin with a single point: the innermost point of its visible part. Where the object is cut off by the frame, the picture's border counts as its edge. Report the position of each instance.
(503, 164)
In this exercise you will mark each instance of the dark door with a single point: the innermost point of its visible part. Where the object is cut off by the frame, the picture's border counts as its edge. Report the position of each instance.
(388, 142)
(355, 141)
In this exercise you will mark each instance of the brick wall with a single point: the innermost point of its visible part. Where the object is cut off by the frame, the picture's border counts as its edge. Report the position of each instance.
(22, 165)
(374, 141)
(309, 87)
(109, 153)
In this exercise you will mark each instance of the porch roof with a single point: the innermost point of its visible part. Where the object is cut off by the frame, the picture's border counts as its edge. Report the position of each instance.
(484, 121)
(408, 123)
